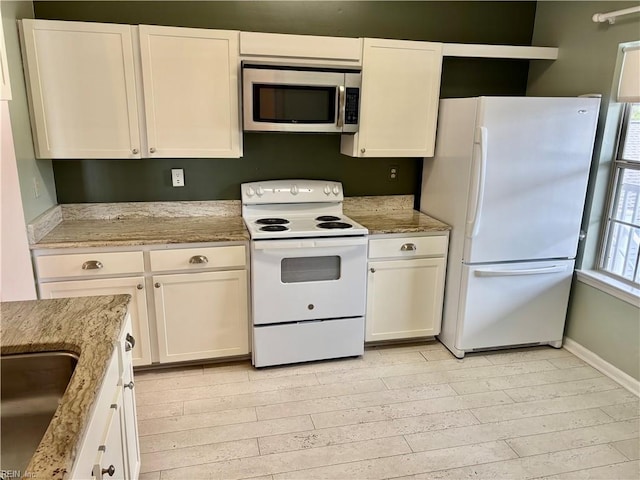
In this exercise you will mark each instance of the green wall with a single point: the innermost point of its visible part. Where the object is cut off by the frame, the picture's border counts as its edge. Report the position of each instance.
(598, 321)
(605, 325)
(289, 156)
(28, 167)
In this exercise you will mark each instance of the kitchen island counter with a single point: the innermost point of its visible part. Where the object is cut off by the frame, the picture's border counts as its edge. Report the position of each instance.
(87, 326)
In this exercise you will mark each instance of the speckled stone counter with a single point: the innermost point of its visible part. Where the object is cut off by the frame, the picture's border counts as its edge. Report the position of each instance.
(86, 326)
(131, 224)
(398, 221)
(144, 231)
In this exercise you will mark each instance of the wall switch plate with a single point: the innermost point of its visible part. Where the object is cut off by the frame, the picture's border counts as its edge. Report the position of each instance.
(177, 177)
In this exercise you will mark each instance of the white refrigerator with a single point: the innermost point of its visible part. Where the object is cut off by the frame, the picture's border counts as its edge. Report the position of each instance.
(509, 175)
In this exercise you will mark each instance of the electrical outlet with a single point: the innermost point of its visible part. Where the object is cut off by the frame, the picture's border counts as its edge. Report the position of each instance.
(36, 187)
(393, 173)
(177, 177)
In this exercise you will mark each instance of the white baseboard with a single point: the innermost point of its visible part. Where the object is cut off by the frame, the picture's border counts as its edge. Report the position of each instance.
(614, 373)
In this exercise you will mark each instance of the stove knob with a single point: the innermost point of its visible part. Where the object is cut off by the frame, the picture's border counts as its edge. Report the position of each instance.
(259, 191)
(336, 189)
(250, 192)
(327, 190)
(294, 190)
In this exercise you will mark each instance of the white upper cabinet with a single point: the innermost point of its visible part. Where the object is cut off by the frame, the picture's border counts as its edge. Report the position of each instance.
(190, 79)
(96, 92)
(82, 86)
(399, 103)
(300, 49)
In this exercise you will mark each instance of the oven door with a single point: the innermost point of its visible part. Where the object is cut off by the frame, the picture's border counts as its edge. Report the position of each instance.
(308, 279)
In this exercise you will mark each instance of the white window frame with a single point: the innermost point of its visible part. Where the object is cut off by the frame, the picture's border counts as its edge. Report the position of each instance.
(618, 166)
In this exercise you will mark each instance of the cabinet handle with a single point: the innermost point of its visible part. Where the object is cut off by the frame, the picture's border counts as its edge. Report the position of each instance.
(92, 265)
(129, 343)
(372, 270)
(109, 471)
(198, 259)
(157, 284)
(362, 150)
(139, 286)
(134, 151)
(129, 385)
(152, 150)
(408, 247)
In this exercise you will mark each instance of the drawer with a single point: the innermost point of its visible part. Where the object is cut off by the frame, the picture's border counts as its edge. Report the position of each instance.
(198, 258)
(89, 264)
(408, 247)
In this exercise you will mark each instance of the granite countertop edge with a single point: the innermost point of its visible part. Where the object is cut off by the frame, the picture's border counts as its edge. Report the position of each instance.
(86, 326)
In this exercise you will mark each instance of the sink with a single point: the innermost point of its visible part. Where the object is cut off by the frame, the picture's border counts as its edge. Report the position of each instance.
(32, 386)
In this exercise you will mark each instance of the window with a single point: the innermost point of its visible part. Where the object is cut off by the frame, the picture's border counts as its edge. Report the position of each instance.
(622, 238)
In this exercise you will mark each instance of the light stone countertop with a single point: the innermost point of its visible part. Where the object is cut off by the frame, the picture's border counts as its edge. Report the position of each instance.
(165, 223)
(398, 221)
(144, 231)
(87, 326)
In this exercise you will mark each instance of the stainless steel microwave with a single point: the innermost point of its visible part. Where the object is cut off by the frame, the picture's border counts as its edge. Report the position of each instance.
(300, 99)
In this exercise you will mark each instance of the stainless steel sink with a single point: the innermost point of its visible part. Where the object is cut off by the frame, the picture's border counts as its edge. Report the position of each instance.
(31, 388)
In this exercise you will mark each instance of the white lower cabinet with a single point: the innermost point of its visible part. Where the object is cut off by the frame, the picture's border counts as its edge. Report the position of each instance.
(111, 460)
(109, 447)
(187, 303)
(405, 287)
(201, 315)
(126, 348)
(134, 286)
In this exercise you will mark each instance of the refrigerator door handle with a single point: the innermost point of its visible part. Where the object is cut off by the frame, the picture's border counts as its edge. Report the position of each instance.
(490, 272)
(480, 180)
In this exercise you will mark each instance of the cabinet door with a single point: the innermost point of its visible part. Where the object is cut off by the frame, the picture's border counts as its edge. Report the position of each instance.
(111, 458)
(404, 298)
(81, 85)
(133, 286)
(201, 315)
(130, 419)
(400, 94)
(190, 79)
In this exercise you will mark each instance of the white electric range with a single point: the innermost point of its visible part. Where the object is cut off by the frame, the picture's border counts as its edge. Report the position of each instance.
(308, 272)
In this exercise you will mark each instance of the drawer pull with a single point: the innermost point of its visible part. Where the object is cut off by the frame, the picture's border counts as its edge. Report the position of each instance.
(372, 270)
(198, 259)
(129, 343)
(109, 471)
(129, 385)
(92, 265)
(139, 286)
(157, 284)
(408, 247)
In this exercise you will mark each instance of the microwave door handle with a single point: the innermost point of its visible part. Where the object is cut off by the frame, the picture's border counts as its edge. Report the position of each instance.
(341, 106)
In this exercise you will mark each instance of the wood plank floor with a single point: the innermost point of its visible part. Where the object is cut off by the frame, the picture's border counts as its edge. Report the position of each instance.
(398, 412)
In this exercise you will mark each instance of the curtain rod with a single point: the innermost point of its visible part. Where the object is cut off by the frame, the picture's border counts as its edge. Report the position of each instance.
(611, 16)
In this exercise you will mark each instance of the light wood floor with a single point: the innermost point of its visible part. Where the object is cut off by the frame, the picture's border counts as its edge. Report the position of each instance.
(398, 412)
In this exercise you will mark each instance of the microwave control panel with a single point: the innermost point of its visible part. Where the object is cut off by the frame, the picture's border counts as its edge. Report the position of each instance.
(352, 106)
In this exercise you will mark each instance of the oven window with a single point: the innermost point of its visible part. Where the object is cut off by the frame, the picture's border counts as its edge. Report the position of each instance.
(293, 104)
(310, 269)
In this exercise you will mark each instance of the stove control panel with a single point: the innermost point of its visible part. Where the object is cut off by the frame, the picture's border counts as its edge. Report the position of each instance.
(291, 191)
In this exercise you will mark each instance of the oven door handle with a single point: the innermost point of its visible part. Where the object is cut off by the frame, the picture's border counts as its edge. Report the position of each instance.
(291, 244)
